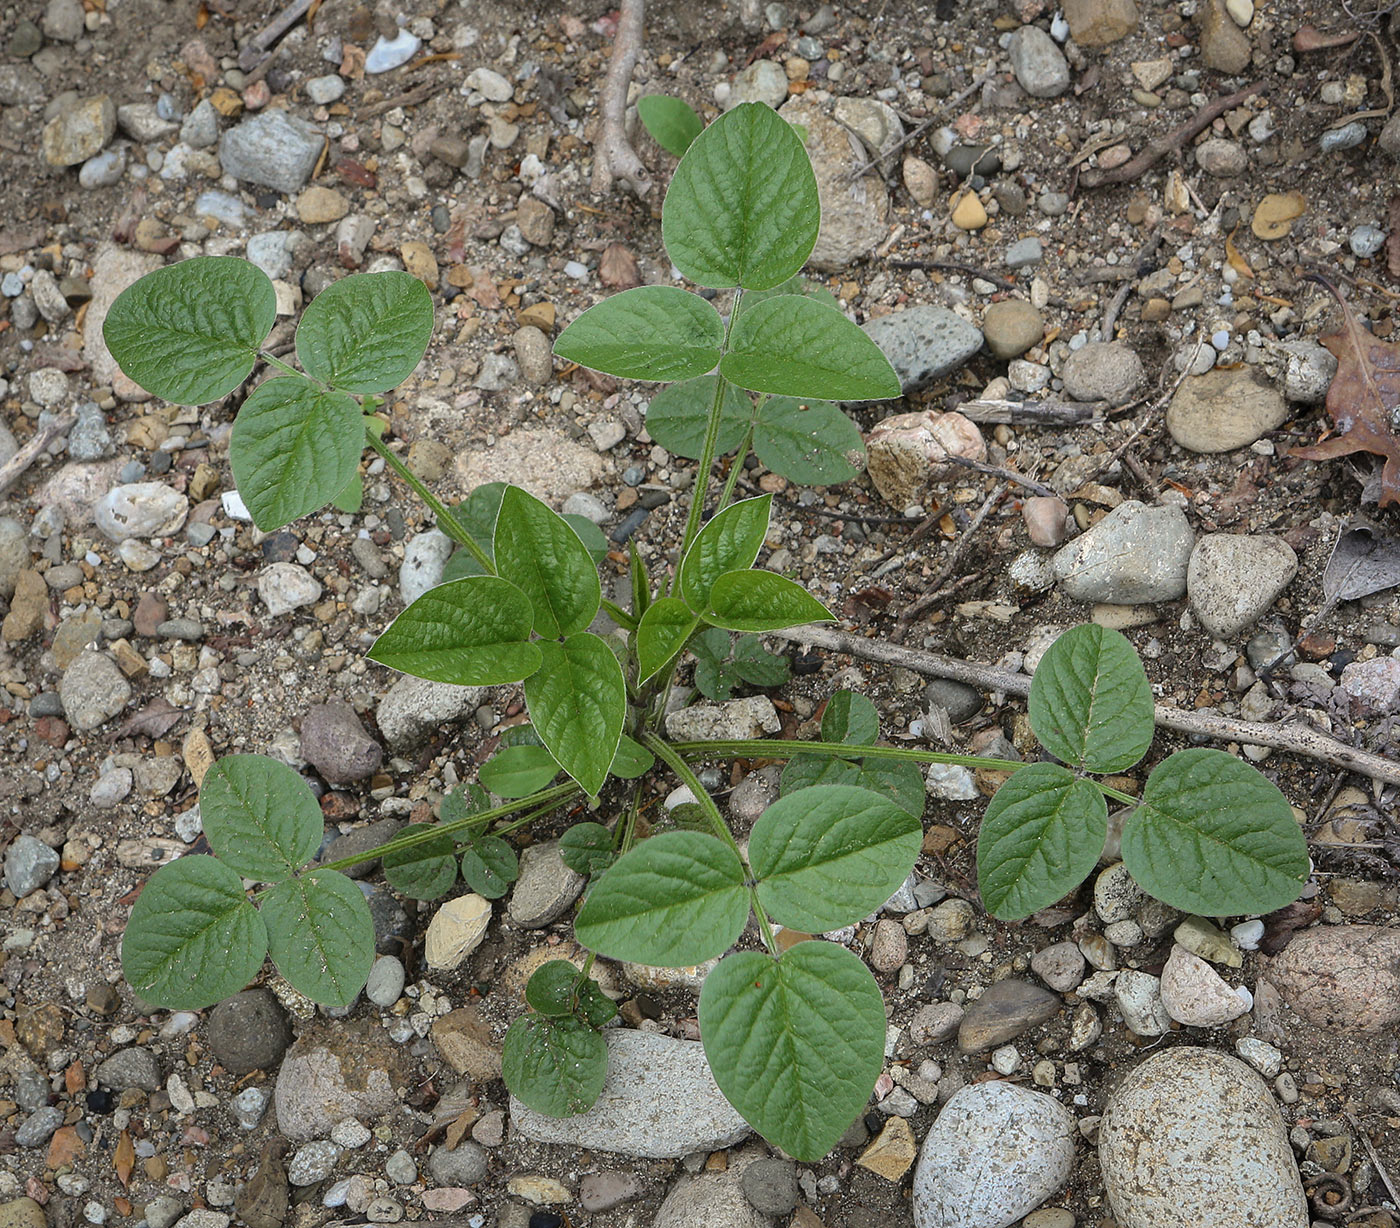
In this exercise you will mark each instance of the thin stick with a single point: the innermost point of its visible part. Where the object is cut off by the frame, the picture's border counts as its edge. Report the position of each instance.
(1174, 139)
(952, 266)
(613, 155)
(409, 98)
(1032, 413)
(11, 470)
(1006, 475)
(1375, 1159)
(1294, 739)
(257, 48)
(954, 558)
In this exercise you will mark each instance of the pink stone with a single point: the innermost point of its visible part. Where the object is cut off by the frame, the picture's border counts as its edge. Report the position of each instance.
(448, 1198)
(1045, 519)
(906, 454)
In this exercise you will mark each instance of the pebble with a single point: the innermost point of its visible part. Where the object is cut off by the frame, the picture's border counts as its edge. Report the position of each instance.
(80, 131)
(770, 1185)
(271, 149)
(535, 356)
(413, 708)
(1308, 373)
(36, 1129)
(924, 343)
(1225, 48)
(465, 1164)
(546, 888)
(1342, 976)
(490, 84)
(1192, 1136)
(1097, 23)
(1234, 579)
(648, 1076)
(1136, 554)
(608, 1189)
(1040, 66)
(907, 454)
(762, 81)
(334, 1073)
(1046, 518)
(733, 720)
(1202, 938)
(313, 1162)
(1024, 253)
(921, 181)
(590, 507)
(318, 205)
(1224, 409)
(935, 1023)
(1373, 684)
(29, 864)
(391, 53)
(201, 127)
(1221, 158)
(111, 788)
(140, 509)
(1366, 240)
(93, 690)
(1060, 966)
(890, 946)
(285, 587)
(335, 743)
(708, 1200)
(960, 701)
(127, 1068)
(456, 930)
(1267, 1060)
(249, 1031)
(1103, 371)
(1139, 999)
(1348, 136)
(1006, 1010)
(1194, 994)
(968, 212)
(951, 782)
(386, 981)
(1012, 326)
(325, 90)
(102, 170)
(994, 1154)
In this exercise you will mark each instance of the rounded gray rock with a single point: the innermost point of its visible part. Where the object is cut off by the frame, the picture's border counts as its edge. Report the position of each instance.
(132, 1067)
(1192, 1136)
(1039, 64)
(140, 509)
(93, 690)
(1136, 554)
(29, 864)
(249, 1031)
(924, 343)
(414, 707)
(386, 980)
(1103, 371)
(272, 149)
(465, 1164)
(1234, 579)
(770, 1185)
(545, 889)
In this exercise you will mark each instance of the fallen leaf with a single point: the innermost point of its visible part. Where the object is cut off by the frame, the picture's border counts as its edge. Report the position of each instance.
(1310, 38)
(1365, 560)
(457, 1128)
(617, 268)
(1363, 395)
(1392, 243)
(1232, 254)
(124, 1160)
(1276, 212)
(155, 720)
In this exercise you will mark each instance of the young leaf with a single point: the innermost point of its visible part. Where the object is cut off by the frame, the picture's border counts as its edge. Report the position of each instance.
(1090, 701)
(811, 443)
(555, 1066)
(426, 871)
(550, 989)
(798, 347)
(594, 1007)
(321, 935)
(350, 497)
(1214, 837)
(190, 332)
(679, 414)
(489, 867)
(742, 208)
(193, 938)
(762, 601)
(295, 447)
(466, 800)
(730, 542)
(795, 1044)
(804, 771)
(471, 632)
(672, 122)
(587, 848)
(661, 634)
(897, 780)
(850, 718)
(631, 760)
(366, 332)
(757, 666)
(578, 701)
(676, 899)
(589, 534)
(1041, 836)
(650, 333)
(518, 771)
(476, 515)
(825, 857)
(713, 644)
(260, 817)
(538, 551)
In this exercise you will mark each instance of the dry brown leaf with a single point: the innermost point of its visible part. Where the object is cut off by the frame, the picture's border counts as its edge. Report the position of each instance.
(124, 1160)
(1310, 38)
(1276, 212)
(1363, 395)
(1392, 243)
(457, 1128)
(1237, 261)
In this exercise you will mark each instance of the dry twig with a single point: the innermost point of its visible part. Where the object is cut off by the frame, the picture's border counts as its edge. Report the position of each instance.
(613, 155)
(11, 470)
(258, 47)
(915, 608)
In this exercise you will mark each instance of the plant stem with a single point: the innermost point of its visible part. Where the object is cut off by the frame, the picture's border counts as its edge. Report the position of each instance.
(286, 368)
(1117, 794)
(446, 521)
(761, 748)
(663, 751)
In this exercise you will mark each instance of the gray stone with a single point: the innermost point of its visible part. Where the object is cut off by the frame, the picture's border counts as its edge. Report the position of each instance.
(606, 1190)
(424, 558)
(1024, 253)
(14, 554)
(1334, 140)
(79, 131)
(201, 127)
(762, 81)
(1221, 158)
(498, 372)
(359, 841)
(386, 981)
(1006, 1010)
(111, 788)
(48, 298)
(1134, 555)
(534, 354)
(1139, 998)
(90, 440)
(590, 507)
(490, 83)
(465, 1164)
(711, 1200)
(1224, 409)
(272, 149)
(62, 21)
(140, 509)
(143, 123)
(249, 1031)
(1309, 372)
(130, 1068)
(1039, 64)
(93, 690)
(415, 707)
(1195, 995)
(163, 1211)
(1103, 371)
(1060, 966)
(20, 86)
(924, 343)
(114, 269)
(545, 889)
(312, 1162)
(659, 1102)
(770, 1185)
(545, 462)
(1234, 579)
(390, 53)
(39, 1126)
(1342, 976)
(325, 90)
(876, 122)
(995, 1153)
(271, 252)
(285, 587)
(335, 743)
(733, 720)
(329, 1075)
(29, 864)
(1192, 1136)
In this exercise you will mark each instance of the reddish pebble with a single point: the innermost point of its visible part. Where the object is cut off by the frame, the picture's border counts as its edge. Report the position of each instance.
(257, 96)
(52, 730)
(1045, 517)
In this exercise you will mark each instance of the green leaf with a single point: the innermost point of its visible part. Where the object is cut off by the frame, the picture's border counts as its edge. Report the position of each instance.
(729, 542)
(351, 495)
(587, 848)
(825, 857)
(1214, 837)
(466, 799)
(672, 122)
(759, 667)
(672, 901)
(797, 347)
(589, 534)
(489, 867)
(631, 760)
(742, 208)
(716, 680)
(518, 771)
(476, 515)
(897, 780)
(321, 935)
(190, 332)
(193, 938)
(366, 332)
(426, 871)
(595, 1008)
(550, 989)
(811, 443)
(260, 817)
(471, 632)
(577, 701)
(851, 719)
(1090, 702)
(679, 414)
(805, 770)
(461, 565)
(712, 644)
(762, 601)
(649, 333)
(661, 634)
(555, 1066)
(795, 1044)
(796, 284)
(295, 447)
(1041, 836)
(539, 552)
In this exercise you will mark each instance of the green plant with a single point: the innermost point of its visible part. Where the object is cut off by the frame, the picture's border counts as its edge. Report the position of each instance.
(795, 1038)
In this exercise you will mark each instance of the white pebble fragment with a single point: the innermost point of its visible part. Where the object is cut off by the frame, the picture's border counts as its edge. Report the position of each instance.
(1247, 934)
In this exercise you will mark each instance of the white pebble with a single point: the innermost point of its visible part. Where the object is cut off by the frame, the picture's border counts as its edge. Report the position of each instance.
(1247, 934)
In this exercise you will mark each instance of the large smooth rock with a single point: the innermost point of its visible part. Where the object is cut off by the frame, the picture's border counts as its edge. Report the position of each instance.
(1225, 409)
(334, 1072)
(1194, 1137)
(996, 1152)
(1006, 1010)
(907, 454)
(547, 463)
(1135, 554)
(272, 149)
(414, 707)
(924, 343)
(659, 1102)
(1342, 976)
(712, 1200)
(1234, 579)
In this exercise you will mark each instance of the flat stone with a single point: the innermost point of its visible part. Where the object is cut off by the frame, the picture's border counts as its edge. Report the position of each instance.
(1194, 994)
(390, 53)
(733, 720)
(1139, 998)
(1135, 554)
(467, 1045)
(456, 930)
(134, 1067)
(1224, 409)
(1103, 371)
(762, 81)
(892, 1152)
(605, 1190)
(546, 888)
(79, 132)
(285, 587)
(29, 864)
(1006, 1010)
(659, 1102)
(1221, 158)
(1225, 48)
(995, 1153)
(1039, 64)
(1012, 326)
(924, 343)
(416, 707)
(336, 1071)
(318, 206)
(1192, 1136)
(1342, 976)
(1096, 23)
(93, 690)
(335, 743)
(545, 462)
(424, 559)
(140, 509)
(271, 149)
(465, 1164)
(907, 454)
(1234, 579)
(1060, 966)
